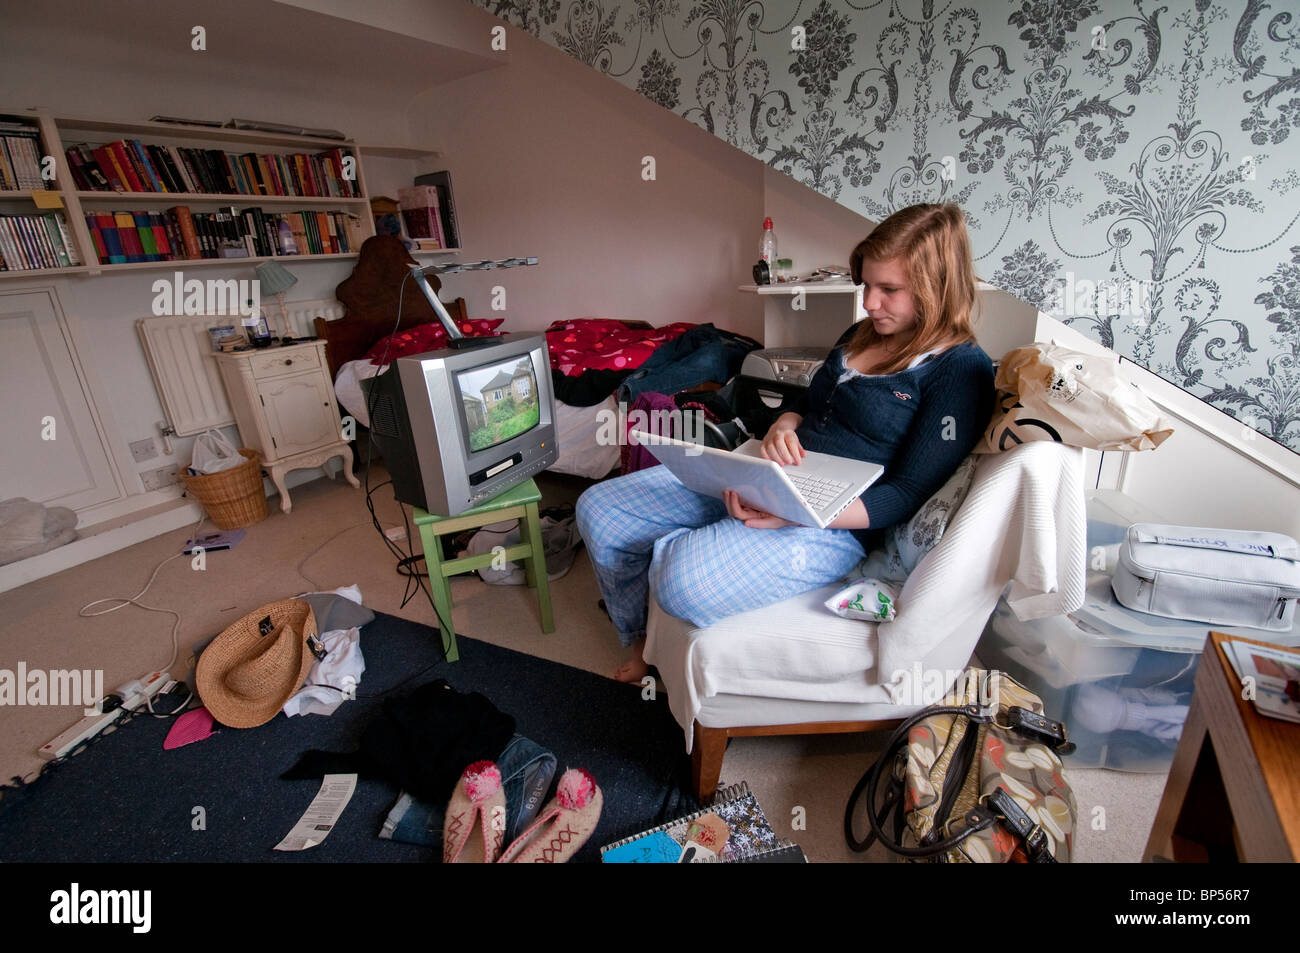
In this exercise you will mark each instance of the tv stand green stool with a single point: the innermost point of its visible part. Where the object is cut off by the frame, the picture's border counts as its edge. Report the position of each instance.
(518, 503)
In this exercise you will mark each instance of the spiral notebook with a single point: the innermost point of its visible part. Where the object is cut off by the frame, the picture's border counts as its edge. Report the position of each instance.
(750, 837)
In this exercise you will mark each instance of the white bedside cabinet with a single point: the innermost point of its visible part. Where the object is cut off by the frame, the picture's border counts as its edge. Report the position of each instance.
(283, 401)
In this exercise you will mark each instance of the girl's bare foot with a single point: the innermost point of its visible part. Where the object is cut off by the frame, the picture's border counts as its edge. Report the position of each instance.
(633, 670)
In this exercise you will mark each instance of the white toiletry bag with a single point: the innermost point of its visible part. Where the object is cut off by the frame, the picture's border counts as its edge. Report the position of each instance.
(1226, 576)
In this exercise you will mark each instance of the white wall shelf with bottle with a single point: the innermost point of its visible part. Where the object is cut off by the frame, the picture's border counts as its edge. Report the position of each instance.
(60, 132)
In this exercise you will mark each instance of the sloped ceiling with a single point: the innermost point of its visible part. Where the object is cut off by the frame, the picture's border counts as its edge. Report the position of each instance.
(304, 48)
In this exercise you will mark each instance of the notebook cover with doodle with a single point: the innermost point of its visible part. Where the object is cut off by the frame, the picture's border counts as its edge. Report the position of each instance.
(750, 833)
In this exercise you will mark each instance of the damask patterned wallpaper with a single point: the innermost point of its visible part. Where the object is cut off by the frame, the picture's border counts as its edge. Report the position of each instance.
(1127, 165)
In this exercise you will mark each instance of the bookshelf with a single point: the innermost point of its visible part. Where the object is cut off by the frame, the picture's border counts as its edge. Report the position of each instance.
(70, 198)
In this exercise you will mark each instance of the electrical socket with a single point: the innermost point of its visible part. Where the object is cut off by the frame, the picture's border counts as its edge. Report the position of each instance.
(157, 479)
(143, 450)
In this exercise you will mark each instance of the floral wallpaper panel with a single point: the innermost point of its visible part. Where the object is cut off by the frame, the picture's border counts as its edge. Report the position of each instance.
(1127, 165)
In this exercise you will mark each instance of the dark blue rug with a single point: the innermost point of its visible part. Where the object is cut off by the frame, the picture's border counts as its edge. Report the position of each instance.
(126, 799)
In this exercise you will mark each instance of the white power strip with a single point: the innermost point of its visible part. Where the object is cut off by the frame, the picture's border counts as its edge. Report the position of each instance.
(86, 728)
(134, 694)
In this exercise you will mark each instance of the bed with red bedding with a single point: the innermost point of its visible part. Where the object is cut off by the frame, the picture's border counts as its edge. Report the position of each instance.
(590, 357)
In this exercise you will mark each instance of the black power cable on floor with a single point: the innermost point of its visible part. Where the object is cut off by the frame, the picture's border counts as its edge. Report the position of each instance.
(406, 558)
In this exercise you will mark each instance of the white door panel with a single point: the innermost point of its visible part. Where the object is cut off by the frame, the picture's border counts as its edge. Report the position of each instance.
(40, 383)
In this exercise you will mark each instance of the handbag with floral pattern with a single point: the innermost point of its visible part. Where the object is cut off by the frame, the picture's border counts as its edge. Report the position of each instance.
(976, 778)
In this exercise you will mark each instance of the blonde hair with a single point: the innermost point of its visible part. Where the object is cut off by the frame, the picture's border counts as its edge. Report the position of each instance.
(932, 244)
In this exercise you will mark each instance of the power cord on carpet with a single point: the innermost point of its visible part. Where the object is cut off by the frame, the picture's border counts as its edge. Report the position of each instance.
(302, 562)
(407, 558)
(135, 600)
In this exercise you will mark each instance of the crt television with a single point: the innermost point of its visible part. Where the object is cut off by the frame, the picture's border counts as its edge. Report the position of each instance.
(459, 427)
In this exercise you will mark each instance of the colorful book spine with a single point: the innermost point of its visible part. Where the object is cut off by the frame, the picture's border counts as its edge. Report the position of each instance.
(107, 225)
(185, 225)
(97, 238)
(130, 238)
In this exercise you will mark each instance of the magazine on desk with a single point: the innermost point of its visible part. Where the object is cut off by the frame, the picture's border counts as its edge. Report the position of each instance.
(1276, 675)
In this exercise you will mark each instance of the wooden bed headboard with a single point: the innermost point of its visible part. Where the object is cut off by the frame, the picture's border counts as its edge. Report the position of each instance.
(370, 295)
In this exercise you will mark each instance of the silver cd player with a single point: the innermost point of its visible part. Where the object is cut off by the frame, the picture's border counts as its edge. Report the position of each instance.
(786, 365)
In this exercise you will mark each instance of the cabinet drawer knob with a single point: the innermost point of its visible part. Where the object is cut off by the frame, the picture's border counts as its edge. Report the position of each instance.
(288, 360)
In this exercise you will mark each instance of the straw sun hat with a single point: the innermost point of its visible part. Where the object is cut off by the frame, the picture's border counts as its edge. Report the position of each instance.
(252, 668)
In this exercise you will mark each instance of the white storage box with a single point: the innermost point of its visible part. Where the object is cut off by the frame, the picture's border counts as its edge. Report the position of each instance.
(1120, 680)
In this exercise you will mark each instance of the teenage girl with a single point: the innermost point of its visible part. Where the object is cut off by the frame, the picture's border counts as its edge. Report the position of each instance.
(907, 388)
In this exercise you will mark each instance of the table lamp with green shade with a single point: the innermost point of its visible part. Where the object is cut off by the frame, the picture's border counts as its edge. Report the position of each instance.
(274, 279)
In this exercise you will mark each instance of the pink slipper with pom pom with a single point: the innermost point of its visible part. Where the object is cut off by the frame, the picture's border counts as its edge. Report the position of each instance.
(563, 826)
(477, 806)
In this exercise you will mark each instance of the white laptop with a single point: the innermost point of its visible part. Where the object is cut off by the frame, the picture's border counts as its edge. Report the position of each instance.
(812, 493)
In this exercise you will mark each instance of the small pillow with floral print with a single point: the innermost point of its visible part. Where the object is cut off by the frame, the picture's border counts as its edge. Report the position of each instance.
(867, 599)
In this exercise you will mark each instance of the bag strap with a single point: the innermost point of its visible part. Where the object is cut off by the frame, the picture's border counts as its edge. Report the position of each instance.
(869, 784)
(1014, 819)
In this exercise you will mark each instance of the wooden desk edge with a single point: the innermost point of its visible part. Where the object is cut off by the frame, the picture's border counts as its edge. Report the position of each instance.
(1274, 743)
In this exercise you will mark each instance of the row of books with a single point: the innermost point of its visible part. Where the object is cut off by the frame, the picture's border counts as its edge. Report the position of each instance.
(130, 165)
(20, 155)
(30, 242)
(179, 234)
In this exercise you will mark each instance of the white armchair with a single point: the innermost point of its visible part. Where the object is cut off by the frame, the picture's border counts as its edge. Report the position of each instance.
(796, 668)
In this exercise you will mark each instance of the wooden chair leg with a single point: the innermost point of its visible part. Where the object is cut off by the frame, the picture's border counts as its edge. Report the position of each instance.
(707, 752)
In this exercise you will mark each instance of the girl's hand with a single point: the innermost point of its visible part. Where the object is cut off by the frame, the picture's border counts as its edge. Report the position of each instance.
(781, 442)
(750, 515)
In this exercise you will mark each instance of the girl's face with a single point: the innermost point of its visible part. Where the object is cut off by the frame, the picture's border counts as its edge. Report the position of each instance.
(887, 298)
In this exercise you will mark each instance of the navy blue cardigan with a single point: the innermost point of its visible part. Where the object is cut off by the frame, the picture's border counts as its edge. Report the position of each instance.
(919, 424)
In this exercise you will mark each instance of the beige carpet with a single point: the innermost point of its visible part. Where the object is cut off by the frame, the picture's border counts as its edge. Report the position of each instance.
(327, 541)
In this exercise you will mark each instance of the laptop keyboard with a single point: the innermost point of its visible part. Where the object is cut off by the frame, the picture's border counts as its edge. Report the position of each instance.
(818, 491)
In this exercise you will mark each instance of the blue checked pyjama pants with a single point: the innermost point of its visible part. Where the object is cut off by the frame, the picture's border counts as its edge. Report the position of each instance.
(646, 530)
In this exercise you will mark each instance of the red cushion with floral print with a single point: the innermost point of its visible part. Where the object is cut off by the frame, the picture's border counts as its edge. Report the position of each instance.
(427, 337)
(586, 344)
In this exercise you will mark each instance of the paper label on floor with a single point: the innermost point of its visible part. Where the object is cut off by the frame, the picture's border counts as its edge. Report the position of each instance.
(322, 814)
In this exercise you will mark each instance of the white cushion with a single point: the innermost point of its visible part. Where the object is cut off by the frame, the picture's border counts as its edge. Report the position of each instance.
(795, 650)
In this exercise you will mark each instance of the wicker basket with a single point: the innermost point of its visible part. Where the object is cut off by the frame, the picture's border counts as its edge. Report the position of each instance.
(233, 498)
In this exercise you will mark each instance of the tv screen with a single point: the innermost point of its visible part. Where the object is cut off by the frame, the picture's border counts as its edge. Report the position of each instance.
(499, 401)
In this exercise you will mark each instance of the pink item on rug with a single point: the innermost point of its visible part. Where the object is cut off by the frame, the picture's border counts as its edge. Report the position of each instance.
(482, 779)
(190, 727)
(576, 789)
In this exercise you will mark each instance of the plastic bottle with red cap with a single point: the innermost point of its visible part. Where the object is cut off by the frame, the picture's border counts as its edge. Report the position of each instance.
(767, 247)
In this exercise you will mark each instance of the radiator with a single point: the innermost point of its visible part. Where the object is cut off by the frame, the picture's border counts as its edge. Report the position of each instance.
(179, 352)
